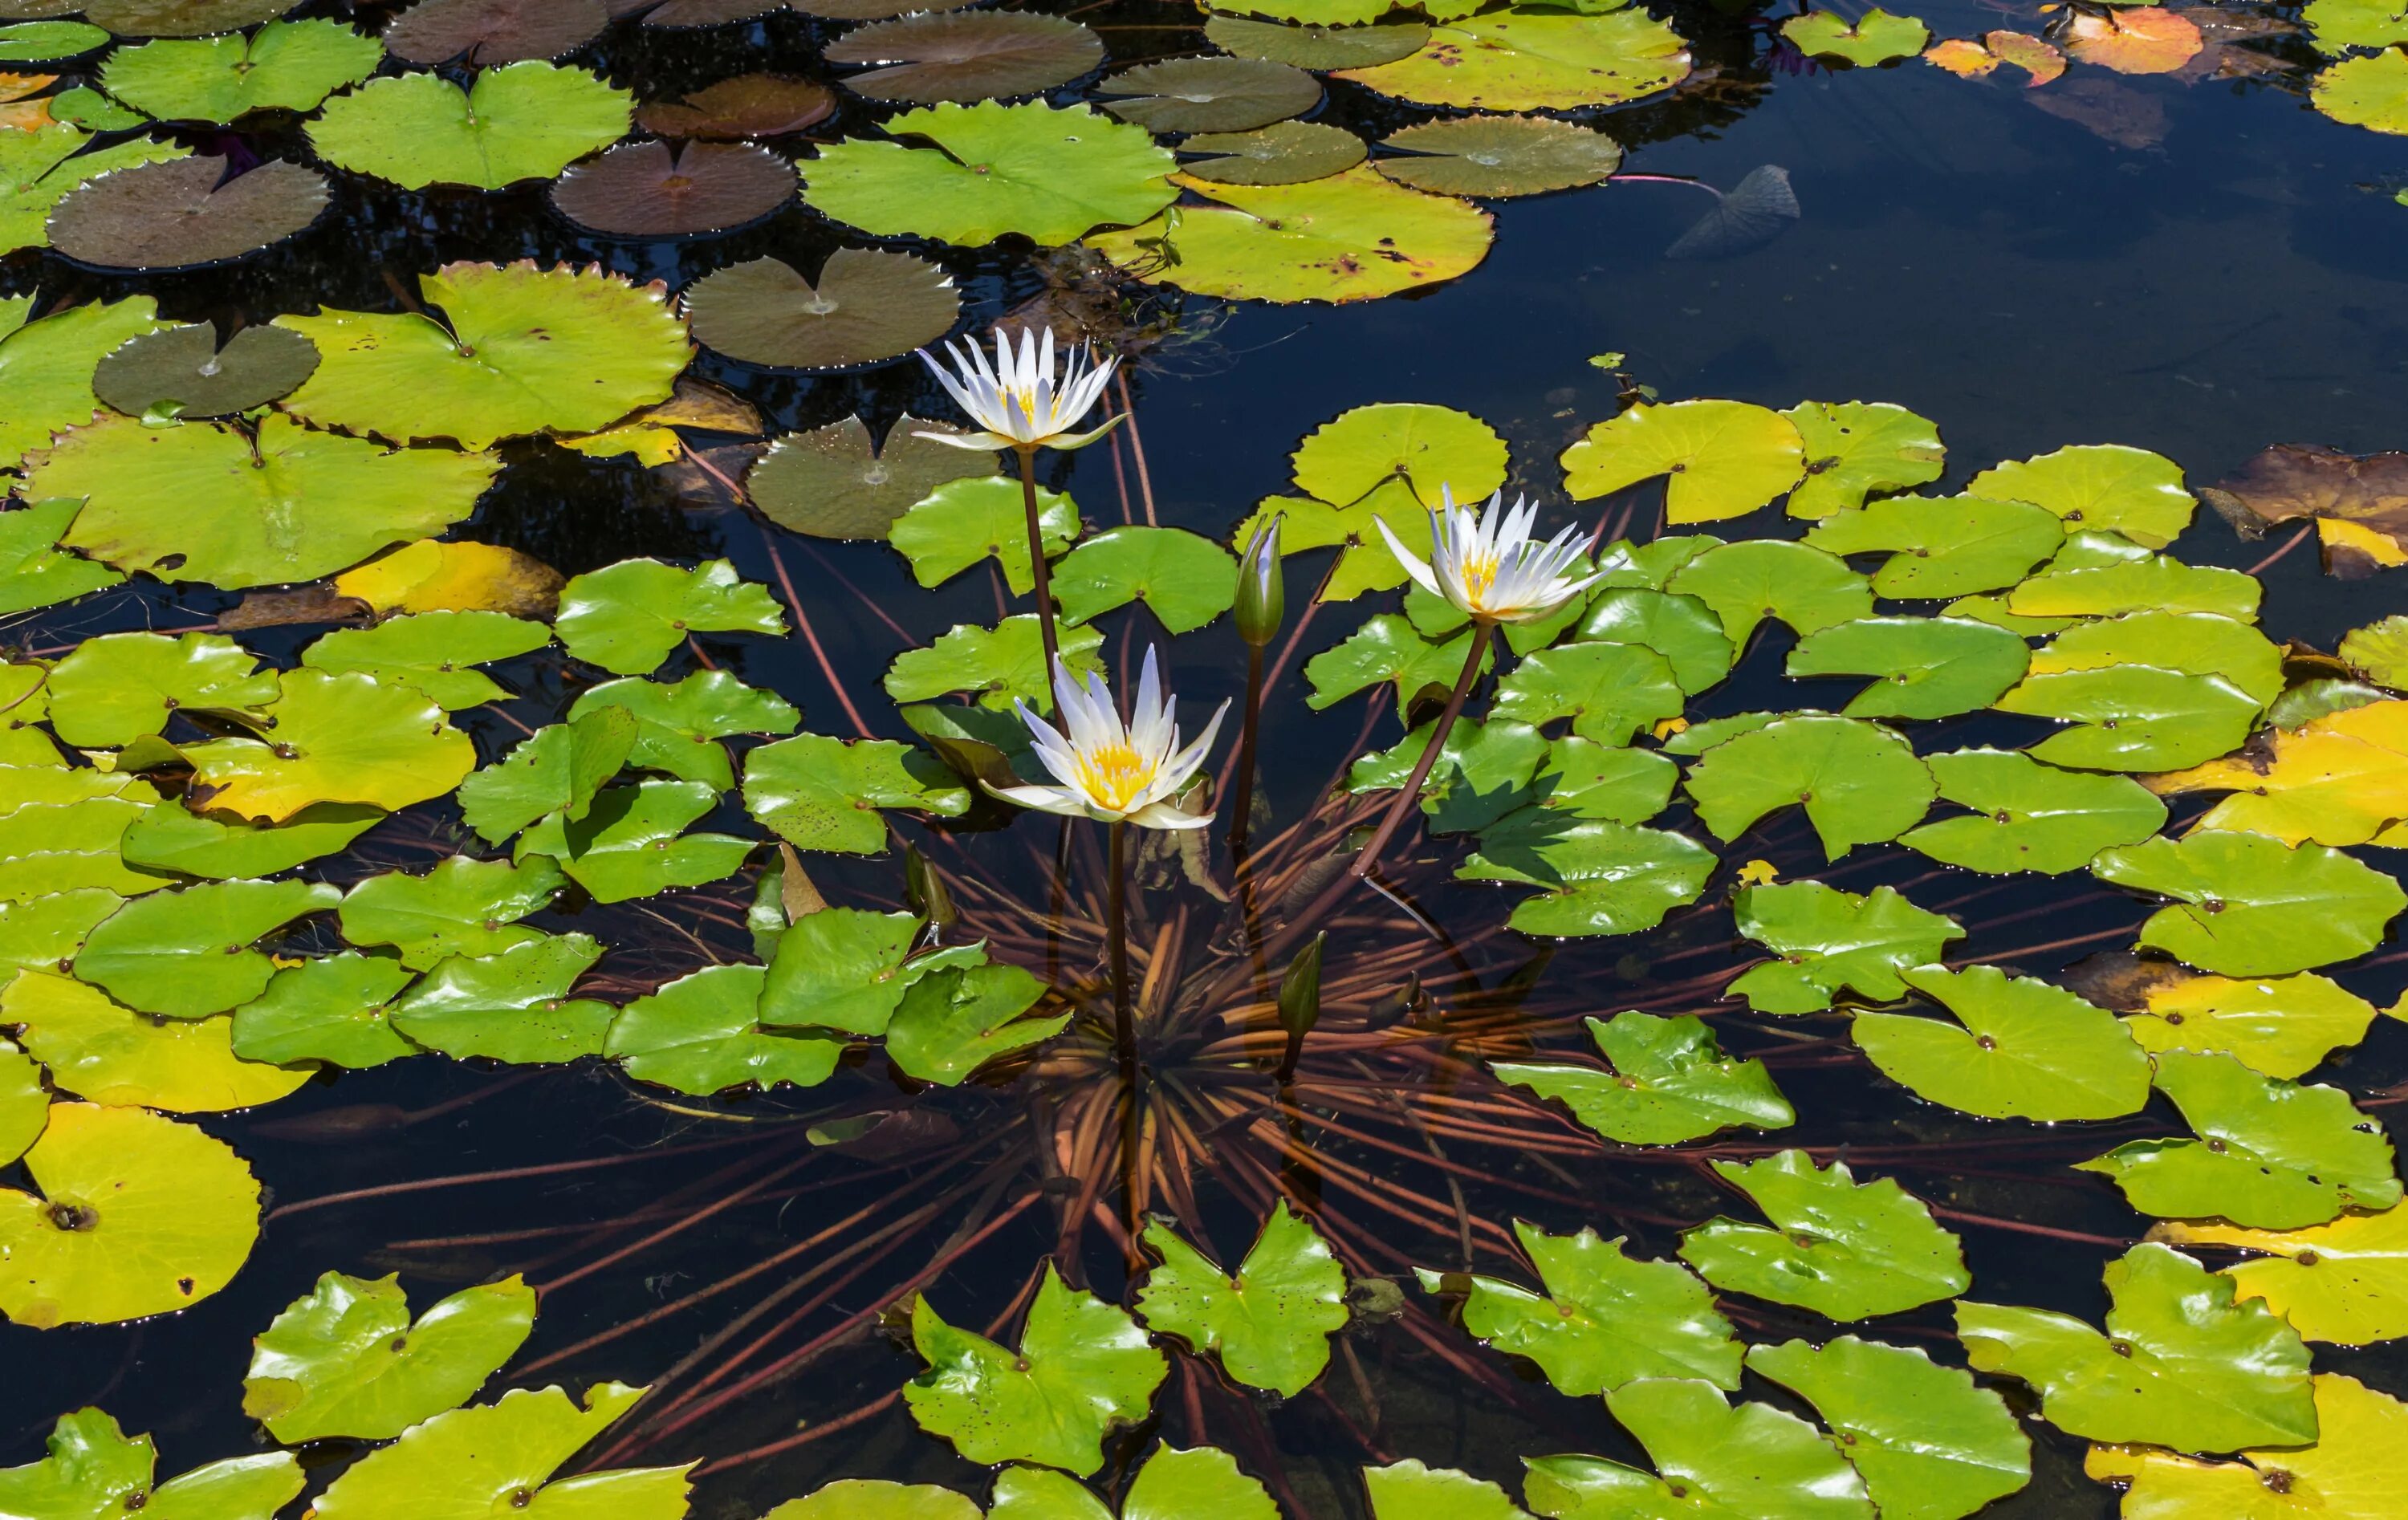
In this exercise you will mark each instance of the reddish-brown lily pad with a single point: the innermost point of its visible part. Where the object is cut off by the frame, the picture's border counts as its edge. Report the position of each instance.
(868, 306)
(655, 189)
(1211, 95)
(482, 33)
(722, 12)
(2359, 501)
(176, 214)
(747, 105)
(182, 18)
(966, 55)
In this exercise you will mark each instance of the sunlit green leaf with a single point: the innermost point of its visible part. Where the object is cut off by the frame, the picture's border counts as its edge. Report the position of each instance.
(1048, 173)
(2253, 906)
(632, 842)
(1681, 628)
(1186, 579)
(433, 651)
(346, 1358)
(2147, 585)
(513, 1005)
(1536, 60)
(522, 121)
(678, 725)
(1927, 668)
(1875, 37)
(1668, 1081)
(34, 571)
(1828, 941)
(1271, 1321)
(2021, 1049)
(842, 968)
(628, 617)
(559, 768)
(963, 522)
(1386, 650)
(1002, 665)
(1610, 692)
(187, 953)
(2026, 815)
(335, 1008)
(1714, 1460)
(2345, 1281)
(284, 65)
(954, 1020)
(471, 1463)
(1855, 448)
(1845, 1249)
(2134, 717)
(1755, 579)
(2350, 1474)
(2097, 486)
(1409, 1490)
(818, 793)
(2283, 1026)
(1485, 771)
(1726, 458)
(94, 1469)
(1602, 877)
(1860, 782)
(1931, 1445)
(463, 907)
(700, 1033)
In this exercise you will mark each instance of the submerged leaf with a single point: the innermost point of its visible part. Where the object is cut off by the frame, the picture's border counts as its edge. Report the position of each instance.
(830, 483)
(966, 55)
(1209, 95)
(184, 212)
(1281, 153)
(746, 106)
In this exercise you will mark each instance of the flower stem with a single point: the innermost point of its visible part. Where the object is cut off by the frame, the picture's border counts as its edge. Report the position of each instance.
(1241, 801)
(1412, 793)
(1116, 936)
(1041, 572)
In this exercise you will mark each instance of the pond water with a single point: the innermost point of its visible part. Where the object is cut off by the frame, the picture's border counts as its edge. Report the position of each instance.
(2191, 260)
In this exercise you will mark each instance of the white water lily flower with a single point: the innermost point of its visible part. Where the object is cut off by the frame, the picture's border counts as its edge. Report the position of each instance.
(1111, 771)
(1019, 402)
(1483, 562)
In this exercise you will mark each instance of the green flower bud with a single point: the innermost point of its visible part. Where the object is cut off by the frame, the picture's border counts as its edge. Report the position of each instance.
(1262, 590)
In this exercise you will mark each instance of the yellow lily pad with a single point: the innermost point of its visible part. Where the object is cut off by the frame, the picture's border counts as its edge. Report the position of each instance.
(2352, 1472)
(335, 738)
(1528, 61)
(2338, 780)
(24, 1107)
(1726, 458)
(103, 1051)
(2344, 1282)
(431, 577)
(2282, 1026)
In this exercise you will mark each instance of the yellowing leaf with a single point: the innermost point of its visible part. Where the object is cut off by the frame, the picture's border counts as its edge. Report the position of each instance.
(1962, 57)
(1726, 458)
(2283, 1026)
(2028, 53)
(2345, 1283)
(2341, 780)
(2142, 39)
(2351, 539)
(431, 577)
(2351, 1472)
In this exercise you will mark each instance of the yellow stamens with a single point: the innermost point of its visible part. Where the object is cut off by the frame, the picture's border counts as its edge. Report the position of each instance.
(1479, 575)
(1113, 775)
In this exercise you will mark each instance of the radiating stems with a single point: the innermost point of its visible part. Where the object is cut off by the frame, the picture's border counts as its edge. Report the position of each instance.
(1041, 572)
(1410, 794)
(1242, 799)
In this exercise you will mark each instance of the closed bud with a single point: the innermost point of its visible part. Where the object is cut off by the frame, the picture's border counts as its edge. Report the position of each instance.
(1299, 993)
(1262, 589)
(925, 891)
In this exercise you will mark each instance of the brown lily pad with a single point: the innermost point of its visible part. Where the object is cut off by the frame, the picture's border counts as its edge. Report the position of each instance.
(747, 105)
(482, 33)
(2358, 501)
(655, 189)
(37, 11)
(182, 18)
(681, 13)
(831, 484)
(869, 305)
(176, 214)
(1211, 95)
(966, 55)
(182, 366)
(1499, 155)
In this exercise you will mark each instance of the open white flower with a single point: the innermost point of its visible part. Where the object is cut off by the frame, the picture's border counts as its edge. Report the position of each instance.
(1108, 770)
(1018, 401)
(1483, 562)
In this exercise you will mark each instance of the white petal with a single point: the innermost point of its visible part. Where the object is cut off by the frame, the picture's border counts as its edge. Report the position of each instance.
(1413, 563)
(987, 442)
(1162, 815)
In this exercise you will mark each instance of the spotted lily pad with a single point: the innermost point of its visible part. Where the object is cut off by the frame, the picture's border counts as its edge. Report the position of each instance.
(632, 842)
(182, 370)
(627, 617)
(523, 120)
(188, 954)
(2283, 1026)
(284, 65)
(332, 1009)
(701, 1034)
(1271, 1321)
(1930, 1443)
(1828, 942)
(335, 738)
(1754, 1460)
(463, 907)
(2252, 905)
(818, 793)
(2345, 1283)
(94, 1469)
(656, 189)
(2348, 1471)
(512, 1005)
(1668, 1081)
(2338, 780)
(1525, 60)
(2021, 1049)
(136, 1214)
(1209, 95)
(347, 1359)
(1924, 668)
(1845, 1249)
(1943, 547)
(965, 55)
(469, 1463)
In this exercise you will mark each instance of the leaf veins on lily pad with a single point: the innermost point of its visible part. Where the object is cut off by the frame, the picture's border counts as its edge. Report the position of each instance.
(1499, 155)
(484, 33)
(284, 65)
(966, 55)
(747, 105)
(1845, 1249)
(347, 1359)
(658, 189)
(525, 120)
(1209, 95)
(867, 305)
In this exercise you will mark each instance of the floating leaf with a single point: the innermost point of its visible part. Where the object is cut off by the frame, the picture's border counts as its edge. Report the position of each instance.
(1756, 579)
(2194, 643)
(32, 572)
(1681, 628)
(964, 55)
(2252, 907)
(830, 483)
(525, 120)
(469, 1463)
(842, 969)
(1855, 448)
(524, 349)
(1350, 236)
(627, 617)
(1844, 1249)
(1209, 95)
(962, 523)
(1002, 665)
(2035, 57)
(1943, 547)
(181, 370)
(2186, 1367)
(2149, 586)
(429, 577)
(1409, 1490)
(559, 768)
(1726, 458)
(284, 65)
(112, 1056)
(1187, 579)
(1084, 1367)
(433, 651)
(212, 502)
(482, 33)
(1172, 1483)
(1485, 773)
(2283, 1026)
(47, 365)
(1668, 1081)
(875, 1498)
(2101, 487)
(2273, 1155)
(94, 1469)
(2021, 1049)
(2349, 1471)
(332, 1009)
(346, 1359)
(868, 304)
(2345, 1283)
(678, 726)
(512, 1005)
(954, 1019)
(1603, 1318)
(818, 793)
(1927, 668)
(2135, 39)
(337, 739)
(2028, 816)
(24, 1105)
(182, 18)
(655, 189)
(44, 931)
(1334, 46)
(1860, 782)
(1931, 1445)
(1523, 60)
(186, 954)
(1581, 779)
(463, 907)
(2340, 780)
(1875, 37)
(1272, 1322)
(1281, 153)
(136, 1215)
(632, 842)
(1048, 173)
(1610, 692)
(1829, 940)
(113, 689)
(37, 42)
(2133, 717)
(1602, 877)
(746, 106)
(699, 1035)
(1754, 1460)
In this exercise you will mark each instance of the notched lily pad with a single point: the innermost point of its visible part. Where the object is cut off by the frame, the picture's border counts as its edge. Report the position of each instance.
(1281, 153)
(526, 121)
(181, 370)
(1316, 47)
(1499, 155)
(867, 305)
(965, 55)
(184, 213)
(830, 483)
(655, 189)
(1209, 95)
(347, 1359)
(480, 34)
(747, 105)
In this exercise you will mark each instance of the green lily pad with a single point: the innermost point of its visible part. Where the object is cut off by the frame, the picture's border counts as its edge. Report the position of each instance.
(1860, 782)
(1581, 779)
(1386, 651)
(2283, 1026)
(1048, 173)
(964, 521)
(523, 120)
(631, 843)
(1610, 692)
(2339, 1283)
(2253, 906)
(214, 502)
(559, 768)
(1601, 1318)
(2146, 586)
(1272, 1322)
(1943, 547)
(867, 305)
(433, 651)
(875, 1498)
(1844, 1249)
(830, 483)
(1337, 45)
(44, 931)
(2181, 1364)
(1603, 877)
(1756, 579)
(1930, 1443)
(2271, 1155)
(1499, 155)
(627, 617)
(333, 1010)
(843, 969)
(114, 689)
(1354, 235)
(24, 1105)
(463, 907)
(49, 847)
(180, 370)
(1714, 1460)
(41, 42)
(2101, 487)
(966, 55)
(2026, 815)
(1395, 459)
(1487, 770)
(2370, 92)
(346, 1359)
(1209, 95)
(94, 1469)
(1002, 665)
(2194, 643)
(2021, 1049)
(1829, 941)
(818, 793)
(469, 1463)
(1875, 37)
(48, 365)
(1535, 60)
(1855, 448)
(1668, 1081)
(954, 1019)
(1082, 1368)
(1281, 153)
(678, 725)
(1409, 1490)
(520, 349)
(1172, 1485)
(700, 1035)
(2134, 717)
(284, 65)
(137, 1215)
(34, 572)
(111, 1055)
(1681, 628)
(1726, 458)
(2379, 651)
(1926, 668)
(1186, 579)
(346, 739)
(511, 1006)
(187, 953)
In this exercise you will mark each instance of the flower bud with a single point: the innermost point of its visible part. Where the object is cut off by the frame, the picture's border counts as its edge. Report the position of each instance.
(1299, 1002)
(924, 891)
(1262, 590)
